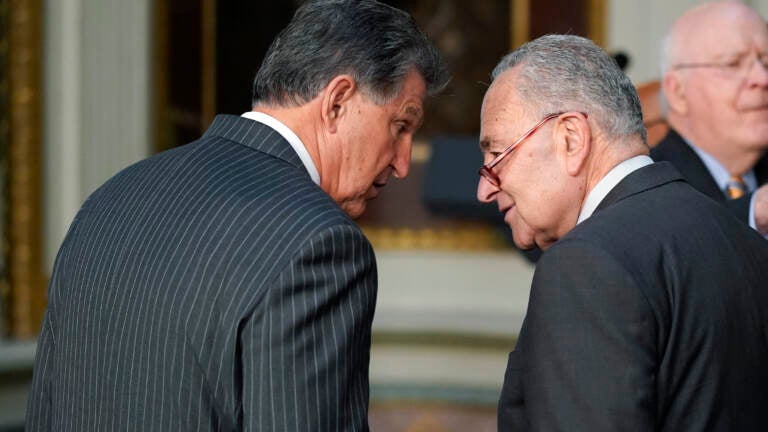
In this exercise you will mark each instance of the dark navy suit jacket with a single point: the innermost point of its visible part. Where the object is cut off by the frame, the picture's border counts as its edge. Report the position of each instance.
(674, 149)
(210, 287)
(651, 315)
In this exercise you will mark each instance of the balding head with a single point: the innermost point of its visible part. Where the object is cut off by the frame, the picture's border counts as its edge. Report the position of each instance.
(716, 82)
(700, 28)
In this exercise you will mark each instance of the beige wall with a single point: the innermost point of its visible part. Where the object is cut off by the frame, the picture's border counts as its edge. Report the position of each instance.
(96, 101)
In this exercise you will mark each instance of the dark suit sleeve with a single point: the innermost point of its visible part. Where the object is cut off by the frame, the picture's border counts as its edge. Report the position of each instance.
(305, 357)
(38, 415)
(590, 357)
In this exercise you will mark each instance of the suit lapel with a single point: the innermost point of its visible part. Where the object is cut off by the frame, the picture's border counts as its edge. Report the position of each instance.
(643, 179)
(255, 135)
(674, 149)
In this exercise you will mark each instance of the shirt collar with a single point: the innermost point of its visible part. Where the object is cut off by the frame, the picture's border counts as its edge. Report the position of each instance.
(289, 136)
(607, 183)
(718, 171)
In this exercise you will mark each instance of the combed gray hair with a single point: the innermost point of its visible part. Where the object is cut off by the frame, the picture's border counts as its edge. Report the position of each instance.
(376, 44)
(571, 73)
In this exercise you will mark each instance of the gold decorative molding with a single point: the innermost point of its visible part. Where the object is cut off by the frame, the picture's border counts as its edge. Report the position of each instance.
(463, 236)
(470, 341)
(520, 21)
(27, 283)
(5, 136)
(597, 17)
(421, 151)
(208, 66)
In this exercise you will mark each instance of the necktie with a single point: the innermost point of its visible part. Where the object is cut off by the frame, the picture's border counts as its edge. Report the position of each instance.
(735, 188)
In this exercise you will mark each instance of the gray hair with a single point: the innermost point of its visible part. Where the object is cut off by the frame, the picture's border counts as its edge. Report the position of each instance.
(376, 44)
(571, 73)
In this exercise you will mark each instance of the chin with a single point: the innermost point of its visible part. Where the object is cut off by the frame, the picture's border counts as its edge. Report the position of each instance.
(354, 209)
(523, 243)
(530, 240)
(545, 245)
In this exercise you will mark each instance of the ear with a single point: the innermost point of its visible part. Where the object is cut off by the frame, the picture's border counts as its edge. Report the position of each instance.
(673, 86)
(335, 100)
(574, 136)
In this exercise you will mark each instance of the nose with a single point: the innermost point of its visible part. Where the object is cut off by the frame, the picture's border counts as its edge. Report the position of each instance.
(401, 163)
(758, 75)
(486, 192)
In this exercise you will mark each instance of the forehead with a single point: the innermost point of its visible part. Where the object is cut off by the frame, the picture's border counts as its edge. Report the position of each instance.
(502, 111)
(724, 30)
(411, 96)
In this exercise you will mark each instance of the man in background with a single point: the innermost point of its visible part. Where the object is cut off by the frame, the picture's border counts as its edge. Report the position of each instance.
(715, 83)
(648, 309)
(223, 285)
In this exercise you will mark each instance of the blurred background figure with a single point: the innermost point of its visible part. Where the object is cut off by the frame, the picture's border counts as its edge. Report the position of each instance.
(715, 84)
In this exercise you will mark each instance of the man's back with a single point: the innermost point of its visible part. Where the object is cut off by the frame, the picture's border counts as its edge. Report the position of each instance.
(175, 287)
(651, 314)
(705, 278)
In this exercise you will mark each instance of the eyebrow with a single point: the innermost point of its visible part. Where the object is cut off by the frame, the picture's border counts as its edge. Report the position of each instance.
(732, 55)
(412, 110)
(485, 145)
(417, 114)
(738, 54)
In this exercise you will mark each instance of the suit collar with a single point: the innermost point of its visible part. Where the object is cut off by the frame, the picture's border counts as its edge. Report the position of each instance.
(291, 137)
(641, 180)
(608, 182)
(673, 148)
(255, 135)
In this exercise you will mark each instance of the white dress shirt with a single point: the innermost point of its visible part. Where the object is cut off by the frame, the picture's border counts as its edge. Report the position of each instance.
(607, 183)
(289, 136)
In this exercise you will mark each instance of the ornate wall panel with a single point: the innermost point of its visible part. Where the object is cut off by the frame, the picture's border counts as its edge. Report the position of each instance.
(25, 292)
(5, 137)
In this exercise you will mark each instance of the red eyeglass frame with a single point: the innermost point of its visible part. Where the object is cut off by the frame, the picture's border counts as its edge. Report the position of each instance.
(486, 171)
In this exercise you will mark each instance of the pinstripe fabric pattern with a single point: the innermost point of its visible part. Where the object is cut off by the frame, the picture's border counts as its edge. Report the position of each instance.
(211, 287)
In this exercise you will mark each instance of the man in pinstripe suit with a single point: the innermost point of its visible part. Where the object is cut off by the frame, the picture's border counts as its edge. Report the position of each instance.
(222, 285)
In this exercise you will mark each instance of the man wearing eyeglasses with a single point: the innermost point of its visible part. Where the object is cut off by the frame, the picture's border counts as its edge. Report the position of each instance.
(648, 309)
(715, 82)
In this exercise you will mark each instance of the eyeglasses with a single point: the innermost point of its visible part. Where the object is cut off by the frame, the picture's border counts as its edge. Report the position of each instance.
(737, 67)
(486, 171)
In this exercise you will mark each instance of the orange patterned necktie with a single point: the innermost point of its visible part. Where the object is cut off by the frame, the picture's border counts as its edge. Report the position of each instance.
(736, 188)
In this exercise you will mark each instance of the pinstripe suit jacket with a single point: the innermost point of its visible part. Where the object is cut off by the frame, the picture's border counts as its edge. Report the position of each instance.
(210, 287)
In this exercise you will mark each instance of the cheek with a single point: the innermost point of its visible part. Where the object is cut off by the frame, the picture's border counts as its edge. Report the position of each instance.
(539, 200)
(384, 153)
(725, 100)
